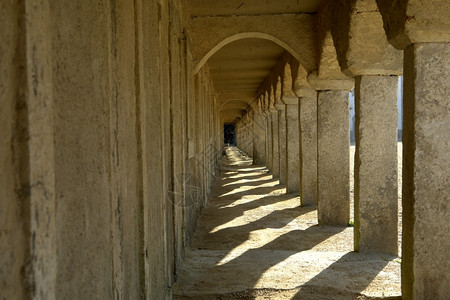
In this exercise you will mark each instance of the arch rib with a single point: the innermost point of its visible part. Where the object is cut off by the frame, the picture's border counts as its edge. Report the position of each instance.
(210, 34)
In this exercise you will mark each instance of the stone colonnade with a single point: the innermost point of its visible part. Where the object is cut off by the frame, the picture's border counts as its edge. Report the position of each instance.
(281, 107)
(317, 143)
(109, 141)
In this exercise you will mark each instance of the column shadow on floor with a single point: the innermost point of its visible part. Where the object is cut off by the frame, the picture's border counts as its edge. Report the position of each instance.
(346, 278)
(249, 267)
(251, 182)
(231, 237)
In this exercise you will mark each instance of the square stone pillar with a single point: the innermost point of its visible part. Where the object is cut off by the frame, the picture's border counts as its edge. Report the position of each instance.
(269, 141)
(376, 192)
(333, 147)
(292, 146)
(426, 172)
(275, 150)
(308, 150)
(282, 140)
(259, 139)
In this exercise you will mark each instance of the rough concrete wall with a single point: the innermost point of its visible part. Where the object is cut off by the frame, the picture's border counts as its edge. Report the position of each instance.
(82, 94)
(206, 145)
(125, 173)
(176, 130)
(151, 126)
(244, 133)
(163, 11)
(259, 138)
(97, 104)
(14, 214)
(208, 109)
(199, 142)
(42, 260)
(27, 237)
(191, 191)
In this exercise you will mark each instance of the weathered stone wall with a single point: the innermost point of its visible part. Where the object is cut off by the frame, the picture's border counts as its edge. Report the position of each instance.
(14, 181)
(244, 133)
(203, 146)
(102, 179)
(82, 93)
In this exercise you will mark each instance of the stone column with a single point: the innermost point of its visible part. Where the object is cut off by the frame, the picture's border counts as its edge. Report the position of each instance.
(292, 146)
(333, 145)
(282, 140)
(376, 193)
(259, 138)
(275, 150)
(248, 137)
(426, 171)
(269, 140)
(308, 149)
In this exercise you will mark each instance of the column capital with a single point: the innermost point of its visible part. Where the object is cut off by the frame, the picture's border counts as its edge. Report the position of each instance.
(306, 93)
(279, 105)
(321, 84)
(290, 100)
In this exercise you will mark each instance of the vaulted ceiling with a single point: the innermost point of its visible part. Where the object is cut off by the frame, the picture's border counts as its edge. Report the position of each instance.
(239, 68)
(251, 7)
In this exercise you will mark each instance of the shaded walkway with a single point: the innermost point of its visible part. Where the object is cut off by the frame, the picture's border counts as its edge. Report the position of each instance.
(255, 242)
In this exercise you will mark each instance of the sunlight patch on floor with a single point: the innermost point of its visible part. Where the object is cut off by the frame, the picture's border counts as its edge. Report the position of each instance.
(280, 272)
(253, 215)
(246, 188)
(257, 239)
(243, 180)
(252, 198)
(243, 200)
(237, 175)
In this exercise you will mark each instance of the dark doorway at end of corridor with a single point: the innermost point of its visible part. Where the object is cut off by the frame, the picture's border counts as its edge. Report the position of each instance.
(229, 134)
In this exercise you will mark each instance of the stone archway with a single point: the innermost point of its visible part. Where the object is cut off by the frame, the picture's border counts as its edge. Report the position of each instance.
(210, 34)
(233, 107)
(240, 36)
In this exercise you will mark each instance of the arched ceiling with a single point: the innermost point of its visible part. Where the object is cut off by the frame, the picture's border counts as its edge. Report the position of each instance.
(230, 110)
(238, 69)
(242, 66)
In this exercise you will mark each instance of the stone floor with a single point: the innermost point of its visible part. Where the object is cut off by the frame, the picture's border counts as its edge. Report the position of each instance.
(255, 242)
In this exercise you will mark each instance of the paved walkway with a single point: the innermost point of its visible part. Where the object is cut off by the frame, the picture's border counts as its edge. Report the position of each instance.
(254, 242)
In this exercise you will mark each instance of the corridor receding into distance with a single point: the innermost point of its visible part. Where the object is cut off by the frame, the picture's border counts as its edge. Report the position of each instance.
(254, 241)
(225, 149)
